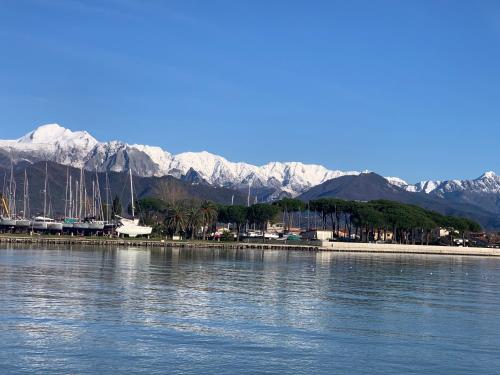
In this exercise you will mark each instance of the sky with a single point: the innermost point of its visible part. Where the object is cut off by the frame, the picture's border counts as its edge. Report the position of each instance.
(400, 87)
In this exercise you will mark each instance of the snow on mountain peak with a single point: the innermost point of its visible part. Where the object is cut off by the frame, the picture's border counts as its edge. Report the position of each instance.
(489, 174)
(79, 149)
(54, 133)
(397, 181)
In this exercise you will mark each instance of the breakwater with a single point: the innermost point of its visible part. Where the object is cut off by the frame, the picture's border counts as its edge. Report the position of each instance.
(101, 241)
(357, 247)
(314, 246)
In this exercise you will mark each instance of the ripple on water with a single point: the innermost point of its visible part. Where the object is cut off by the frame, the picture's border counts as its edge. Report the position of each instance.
(246, 311)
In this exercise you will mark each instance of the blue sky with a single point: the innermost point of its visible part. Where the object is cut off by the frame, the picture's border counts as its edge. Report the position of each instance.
(404, 88)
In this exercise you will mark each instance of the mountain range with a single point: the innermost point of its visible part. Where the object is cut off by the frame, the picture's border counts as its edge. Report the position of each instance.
(79, 149)
(478, 198)
(480, 206)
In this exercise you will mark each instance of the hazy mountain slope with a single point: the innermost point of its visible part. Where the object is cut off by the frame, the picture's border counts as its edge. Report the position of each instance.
(166, 187)
(370, 186)
(482, 192)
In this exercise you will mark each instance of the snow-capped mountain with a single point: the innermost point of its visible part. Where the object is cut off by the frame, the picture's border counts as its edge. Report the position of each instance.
(52, 142)
(79, 149)
(55, 143)
(487, 183)
(397, 181)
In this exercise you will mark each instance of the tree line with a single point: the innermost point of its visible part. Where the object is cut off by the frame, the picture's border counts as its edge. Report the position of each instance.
(364, 221)
(369, 220)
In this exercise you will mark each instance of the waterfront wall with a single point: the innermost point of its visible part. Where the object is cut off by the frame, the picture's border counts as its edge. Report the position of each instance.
(352, 247)
(406, 249)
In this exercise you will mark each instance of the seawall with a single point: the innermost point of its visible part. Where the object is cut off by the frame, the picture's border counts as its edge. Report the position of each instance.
(314, 246)
(407, 249)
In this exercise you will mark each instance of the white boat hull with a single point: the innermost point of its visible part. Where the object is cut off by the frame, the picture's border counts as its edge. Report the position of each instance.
(134, 230)
(23, 223)
(96, 226)
(8, 222)
(81, 226)
(39, 225)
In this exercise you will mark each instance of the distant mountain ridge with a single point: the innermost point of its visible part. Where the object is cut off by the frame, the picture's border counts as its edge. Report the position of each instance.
(268, 182)
(79, 149)
(370, 186)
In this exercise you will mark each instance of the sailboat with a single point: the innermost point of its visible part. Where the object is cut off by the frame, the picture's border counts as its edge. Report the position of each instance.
(96, 222)
(44, 222)
(23, 221)
(131, 227)
(9, 205)
(69, 219)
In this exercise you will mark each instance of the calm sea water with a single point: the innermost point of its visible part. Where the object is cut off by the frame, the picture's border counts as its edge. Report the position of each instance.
(83, 311)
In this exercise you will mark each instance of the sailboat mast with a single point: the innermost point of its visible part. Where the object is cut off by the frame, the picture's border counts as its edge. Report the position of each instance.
(93, 199)
(12, 191)
(80, 194)
(66, 194)
(25, 194)
(107, 197)
(45, 193)
(132, 193)
(77, 200)
(99, 208)
(70, 199)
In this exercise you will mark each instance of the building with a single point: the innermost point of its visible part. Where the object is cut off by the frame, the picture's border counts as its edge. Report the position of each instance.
(317, 234)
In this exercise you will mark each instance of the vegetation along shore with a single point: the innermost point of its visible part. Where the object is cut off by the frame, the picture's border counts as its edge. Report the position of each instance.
(322, 224)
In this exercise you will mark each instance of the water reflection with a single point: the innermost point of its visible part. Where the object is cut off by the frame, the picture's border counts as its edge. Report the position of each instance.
(83, 310)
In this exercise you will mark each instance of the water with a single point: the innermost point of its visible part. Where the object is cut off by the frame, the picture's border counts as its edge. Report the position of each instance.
(83, 311)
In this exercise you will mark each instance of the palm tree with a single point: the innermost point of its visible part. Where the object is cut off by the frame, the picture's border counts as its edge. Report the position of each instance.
(208, 212)
(175, 220)
(193, 220)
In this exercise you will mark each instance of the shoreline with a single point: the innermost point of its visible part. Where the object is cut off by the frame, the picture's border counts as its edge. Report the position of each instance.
(323, 246)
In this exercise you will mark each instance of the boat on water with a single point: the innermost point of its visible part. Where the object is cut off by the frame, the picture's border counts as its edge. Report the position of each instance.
(131, 227)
